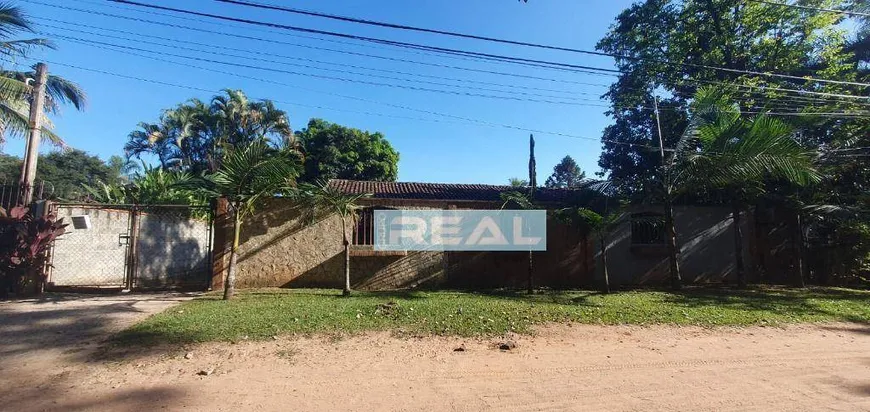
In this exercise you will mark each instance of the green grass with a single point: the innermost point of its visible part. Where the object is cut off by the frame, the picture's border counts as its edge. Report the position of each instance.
(262, 314)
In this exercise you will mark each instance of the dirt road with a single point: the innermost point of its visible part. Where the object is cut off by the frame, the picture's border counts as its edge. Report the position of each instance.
(581, 367)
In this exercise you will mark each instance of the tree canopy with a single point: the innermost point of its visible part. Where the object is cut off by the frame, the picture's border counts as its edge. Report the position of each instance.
(566, 174)
(669, 48)
(16, 93)
(195, 135)
(333, 151)
(65, 172)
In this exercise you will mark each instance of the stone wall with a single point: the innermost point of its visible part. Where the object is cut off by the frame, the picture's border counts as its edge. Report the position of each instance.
(278, 248)
(560, 266)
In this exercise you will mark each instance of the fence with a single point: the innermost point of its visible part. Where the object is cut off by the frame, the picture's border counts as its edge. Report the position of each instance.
(132, 247)
(12, 193)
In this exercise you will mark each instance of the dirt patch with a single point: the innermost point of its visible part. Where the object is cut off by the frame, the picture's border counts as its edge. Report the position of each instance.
(577, 367)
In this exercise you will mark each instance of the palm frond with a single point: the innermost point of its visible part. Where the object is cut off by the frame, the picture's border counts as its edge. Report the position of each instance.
(516, 200)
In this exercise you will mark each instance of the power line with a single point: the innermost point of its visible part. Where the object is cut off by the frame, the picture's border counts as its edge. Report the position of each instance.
(491, 39)
(274, 41)
(485, 56)
(139, 40)
(779, 104)
(424, 63)
(798, 6)
(264, 30)
(464, 119)
(124, 49)
(343, 79)
(821, 94)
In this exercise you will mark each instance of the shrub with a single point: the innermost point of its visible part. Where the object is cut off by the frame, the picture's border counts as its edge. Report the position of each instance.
(24, 239)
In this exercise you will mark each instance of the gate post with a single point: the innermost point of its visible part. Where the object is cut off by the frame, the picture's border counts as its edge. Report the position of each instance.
(220, 246)
(133, 249)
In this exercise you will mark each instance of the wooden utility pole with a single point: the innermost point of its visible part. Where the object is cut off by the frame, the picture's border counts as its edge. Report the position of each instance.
(34, 134)
(533, 183)
(659, 126)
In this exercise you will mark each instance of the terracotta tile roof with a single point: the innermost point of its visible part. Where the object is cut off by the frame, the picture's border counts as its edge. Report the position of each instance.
(442, 191)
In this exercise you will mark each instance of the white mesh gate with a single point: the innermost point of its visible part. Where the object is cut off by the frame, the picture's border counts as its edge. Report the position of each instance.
(132, 247)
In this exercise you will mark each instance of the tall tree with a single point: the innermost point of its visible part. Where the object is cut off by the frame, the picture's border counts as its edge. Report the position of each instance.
(15, 92)
(194, 136)
(670, 47)
(566, 174)
(333, 151)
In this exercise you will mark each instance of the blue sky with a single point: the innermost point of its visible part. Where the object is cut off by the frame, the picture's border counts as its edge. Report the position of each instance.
(446, 150)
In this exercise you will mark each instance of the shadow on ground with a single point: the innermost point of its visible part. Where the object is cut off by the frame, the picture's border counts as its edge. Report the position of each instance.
(72, 325)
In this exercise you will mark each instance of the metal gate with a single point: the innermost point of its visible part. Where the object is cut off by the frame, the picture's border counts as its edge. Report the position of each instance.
(132, 247)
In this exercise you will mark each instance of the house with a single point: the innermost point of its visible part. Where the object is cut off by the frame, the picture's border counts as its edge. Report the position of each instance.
(279, 249)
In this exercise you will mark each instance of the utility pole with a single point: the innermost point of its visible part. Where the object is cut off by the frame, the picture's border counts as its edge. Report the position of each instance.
(34, 134)
(659, 126)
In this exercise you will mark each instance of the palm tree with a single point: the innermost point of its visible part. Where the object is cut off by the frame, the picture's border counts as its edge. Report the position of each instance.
(193, 136)
(247, 175)
(737, 154)
(15, 90)
(518, 183)
(321, 198)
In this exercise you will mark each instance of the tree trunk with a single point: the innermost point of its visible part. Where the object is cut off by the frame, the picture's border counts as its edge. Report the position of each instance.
(346, 291)
(531, 286)
(230, 284)
(220, 243)
(738, 246)
(799, 251)
(604, 264)
(673, 252)
(585, 250)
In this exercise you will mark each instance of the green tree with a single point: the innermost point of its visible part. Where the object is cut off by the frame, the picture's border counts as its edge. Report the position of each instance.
(724, 150)
(669, 47)
(247, 175)
(15, 92)
(153, 186)
(194, 135)
(64, 172)
(588, 222)
(319, 199)
(333, 151)
(566, 174)
(517, 182)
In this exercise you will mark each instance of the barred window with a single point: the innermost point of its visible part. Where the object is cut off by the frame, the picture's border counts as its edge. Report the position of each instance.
(647, 229)
(364, 231)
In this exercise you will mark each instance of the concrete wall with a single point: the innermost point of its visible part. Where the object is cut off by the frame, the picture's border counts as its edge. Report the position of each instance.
(706, 241)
